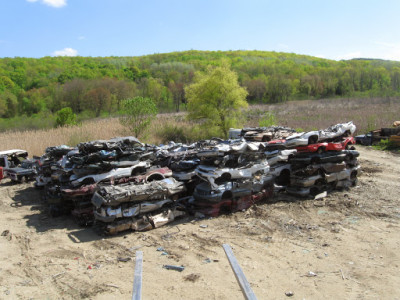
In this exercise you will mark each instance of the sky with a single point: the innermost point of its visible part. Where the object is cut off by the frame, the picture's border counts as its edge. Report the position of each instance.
(332, 29)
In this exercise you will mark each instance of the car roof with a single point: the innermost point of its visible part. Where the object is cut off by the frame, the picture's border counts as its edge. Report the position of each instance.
(14, 151)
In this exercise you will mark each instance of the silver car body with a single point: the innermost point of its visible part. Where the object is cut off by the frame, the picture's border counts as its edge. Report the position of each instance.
(301, 139)
(114, 173)
(336, 131)
(211, 173)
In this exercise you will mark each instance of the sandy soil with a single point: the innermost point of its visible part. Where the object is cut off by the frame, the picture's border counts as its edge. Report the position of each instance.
(344, 246)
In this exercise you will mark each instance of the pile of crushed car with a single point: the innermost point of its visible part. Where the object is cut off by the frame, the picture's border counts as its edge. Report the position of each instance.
(122, 184)
(376, 136)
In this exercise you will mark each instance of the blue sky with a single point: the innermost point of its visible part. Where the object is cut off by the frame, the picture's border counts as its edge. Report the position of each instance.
(325, 28)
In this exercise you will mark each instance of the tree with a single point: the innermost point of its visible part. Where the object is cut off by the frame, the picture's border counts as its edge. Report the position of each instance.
(65, 117)
(98, 99)
(178, 93)
(8, 105)
(74, 94)
(256, 89)
(278, 89)
(138, 114)
(217, 99)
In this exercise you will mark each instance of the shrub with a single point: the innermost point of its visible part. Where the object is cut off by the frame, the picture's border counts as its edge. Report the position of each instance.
(268, 120)
(65, 117)
(138, 114)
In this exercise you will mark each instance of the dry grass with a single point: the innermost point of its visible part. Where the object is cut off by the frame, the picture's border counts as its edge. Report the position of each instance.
(36, 141)
(369, 113)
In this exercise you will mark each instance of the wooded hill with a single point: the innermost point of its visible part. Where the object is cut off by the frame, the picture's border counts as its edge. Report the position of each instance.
(98, 84)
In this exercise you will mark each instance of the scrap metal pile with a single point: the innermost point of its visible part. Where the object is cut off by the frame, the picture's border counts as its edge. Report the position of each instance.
(122, 184)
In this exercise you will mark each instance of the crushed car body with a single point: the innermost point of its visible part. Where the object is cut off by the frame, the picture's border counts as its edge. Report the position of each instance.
(122, 184)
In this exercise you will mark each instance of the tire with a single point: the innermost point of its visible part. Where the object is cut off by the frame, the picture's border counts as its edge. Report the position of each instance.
(227, 195)
(226, 177)
(138, 171)
(155, 177)
(314, 191)
(312, 140)
(265, 139)
(87, 181)
(283, 178)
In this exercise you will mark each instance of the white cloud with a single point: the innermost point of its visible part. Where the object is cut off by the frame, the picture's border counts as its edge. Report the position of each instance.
(65, 52)
(389, 51)
(81, 37)
(350, 55)
(377, 50)
(53, 3)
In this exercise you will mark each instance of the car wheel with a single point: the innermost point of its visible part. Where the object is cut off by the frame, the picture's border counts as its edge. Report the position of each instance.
(87, 181)
(227, 195)
(138, 171)
(265, 139)
(283, 178)
(226, 177)
(312, 140)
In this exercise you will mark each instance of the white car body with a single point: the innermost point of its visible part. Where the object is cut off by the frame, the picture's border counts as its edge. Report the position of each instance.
(211, 173)
(336, 131)
(301, 139)
(305, 182)
(277, 169)
(114, 173)
(276, 156)
(342, 175)
(184, 176)
(132, 211)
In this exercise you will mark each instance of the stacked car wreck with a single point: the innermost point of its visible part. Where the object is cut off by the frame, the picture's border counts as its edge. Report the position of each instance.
(327, 164)
(122, 184)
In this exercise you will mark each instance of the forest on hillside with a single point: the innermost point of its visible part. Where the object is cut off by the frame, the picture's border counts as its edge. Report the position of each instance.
(95, 86)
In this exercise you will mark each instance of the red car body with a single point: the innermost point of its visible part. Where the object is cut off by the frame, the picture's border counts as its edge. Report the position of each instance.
(321, 147)
(231, 205)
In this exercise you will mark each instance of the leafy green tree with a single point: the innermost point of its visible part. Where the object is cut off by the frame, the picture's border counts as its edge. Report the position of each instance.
(138, 113)
(8, 105)
(256, 88)
(217, 99)
(279, 88)
(65, 117)
(6, 83)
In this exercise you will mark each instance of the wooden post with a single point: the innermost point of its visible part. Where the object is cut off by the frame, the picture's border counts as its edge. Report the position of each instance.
(244, 284)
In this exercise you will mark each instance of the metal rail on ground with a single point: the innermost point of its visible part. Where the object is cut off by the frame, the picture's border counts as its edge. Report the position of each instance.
(137, 281)
(244, 284)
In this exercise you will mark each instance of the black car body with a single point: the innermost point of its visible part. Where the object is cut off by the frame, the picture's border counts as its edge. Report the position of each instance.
(305, 158)
(364, 139)
(25, 172)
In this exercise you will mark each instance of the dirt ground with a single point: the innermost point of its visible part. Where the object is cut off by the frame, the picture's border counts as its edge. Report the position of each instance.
(345, 246)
